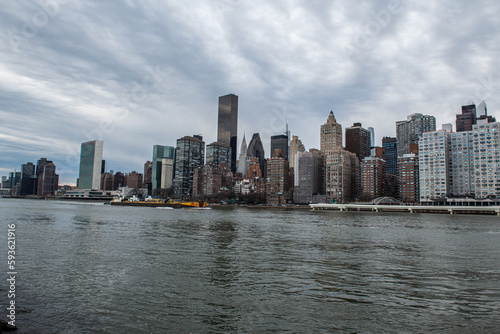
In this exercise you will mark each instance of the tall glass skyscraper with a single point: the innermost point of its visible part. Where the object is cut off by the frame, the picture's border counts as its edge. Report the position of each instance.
(90, 165)
(390, 145)
(189, 155)
(227, 130)
(256, 149)
(161, 152)
(280, 142)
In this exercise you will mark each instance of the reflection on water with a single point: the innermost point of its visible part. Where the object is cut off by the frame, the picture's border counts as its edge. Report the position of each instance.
(95, 268)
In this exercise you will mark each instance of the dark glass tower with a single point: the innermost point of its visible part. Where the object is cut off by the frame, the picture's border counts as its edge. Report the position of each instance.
(467, 118)
(358, 140)
(256, 149)
(390, 145)
(27, 179)
(160, 152)
(227, 129)
(280, 142)
(189, 155)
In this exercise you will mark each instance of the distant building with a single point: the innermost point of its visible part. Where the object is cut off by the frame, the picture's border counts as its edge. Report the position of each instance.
(462, 164)
(189, 155)
(167, 173)
(28, 179)
(295, 147)
(118, 180)
(278, 183)
(48, 180)
(358, 141)
(212, 180)
(148, 176)
(90, 165)
(409, 132)
(253, 170)
(218, 154)
(372, 177)
(434, 171)
(161, 152)
(256, 149)
(486, 143)
(409, 180)
(467, 118)
(227, 127)
(390, 145)
(107, 181)
(243, 159)
(309, 177)
(331, 136)
(341, 166)
(133, 180)
(280, 142)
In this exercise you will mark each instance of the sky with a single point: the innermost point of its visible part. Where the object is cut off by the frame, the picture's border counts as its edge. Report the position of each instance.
(139, 73)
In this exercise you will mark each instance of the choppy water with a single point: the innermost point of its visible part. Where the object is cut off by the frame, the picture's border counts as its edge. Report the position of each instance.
(86, 268)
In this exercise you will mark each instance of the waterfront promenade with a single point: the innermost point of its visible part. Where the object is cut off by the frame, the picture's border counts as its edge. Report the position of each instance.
(409, 208)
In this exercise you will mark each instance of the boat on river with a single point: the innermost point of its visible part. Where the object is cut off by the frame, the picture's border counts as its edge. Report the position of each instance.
(157, 203)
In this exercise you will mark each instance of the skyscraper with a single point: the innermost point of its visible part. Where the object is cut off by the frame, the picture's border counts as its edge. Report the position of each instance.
(358, 141)
(277, 184)
(467, 118)
(408, 132)
(331, 135)
(27, 179)
(161, 152)
(296, 147)
(227, 129)
(90, 165)
(189, 155)
(256, 149)
(309, 176)
(341, 166)
(390, 145)
(218, 154)
(243, 159)
(280, 142)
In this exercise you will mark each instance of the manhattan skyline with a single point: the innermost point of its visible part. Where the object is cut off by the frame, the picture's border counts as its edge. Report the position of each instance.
(141, 74)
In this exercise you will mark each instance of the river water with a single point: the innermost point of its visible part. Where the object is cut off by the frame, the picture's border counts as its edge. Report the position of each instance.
(91, 268)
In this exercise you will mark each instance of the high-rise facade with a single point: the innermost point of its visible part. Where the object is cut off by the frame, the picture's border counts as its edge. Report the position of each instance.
(280, 142)
(462, 164)
(243, 158)
(434, 166)
(408, 132)
(309, 176)
(211, 180)
(372, 177)
(90, 165)
(48, 180)
(167, 173)
(296, 147)
(408, 177)
(330, 135)
(161, 152)
(256, 149)
(218, 154)
(189, 155)
(486, 146)
(390, 145)
(28, 178)
(277, 184)
(341, 166)
(467, 118)
(358, 141)
(227, 128)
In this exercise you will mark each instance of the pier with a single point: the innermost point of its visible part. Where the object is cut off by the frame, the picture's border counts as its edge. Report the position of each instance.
(491, 210)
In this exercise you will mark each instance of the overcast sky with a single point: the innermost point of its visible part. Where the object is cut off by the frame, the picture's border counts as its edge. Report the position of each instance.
(139, 73)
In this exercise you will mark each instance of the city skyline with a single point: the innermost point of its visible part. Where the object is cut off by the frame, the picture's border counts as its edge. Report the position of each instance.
(154, 82)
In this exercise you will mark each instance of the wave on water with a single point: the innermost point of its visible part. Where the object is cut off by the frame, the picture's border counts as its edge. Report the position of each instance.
(165, 208)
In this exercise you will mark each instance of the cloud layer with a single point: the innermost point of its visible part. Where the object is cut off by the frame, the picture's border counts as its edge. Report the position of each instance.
(140, 73)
